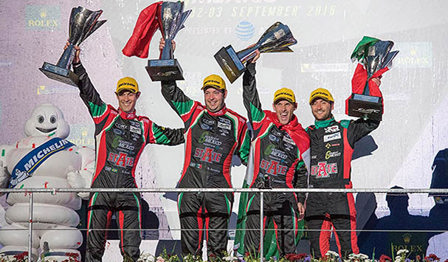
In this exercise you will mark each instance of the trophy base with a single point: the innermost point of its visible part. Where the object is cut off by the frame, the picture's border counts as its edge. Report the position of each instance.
(362, 105)
(230, 63)
(59, 74)
(163, 70)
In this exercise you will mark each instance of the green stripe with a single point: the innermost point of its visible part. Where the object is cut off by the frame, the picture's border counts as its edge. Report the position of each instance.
(179, 201)
(97, 110)
(159, 135)
(345, 123)
(229, 206)
(95, 195)
(139, 211)
(256, 114)
(183, 107)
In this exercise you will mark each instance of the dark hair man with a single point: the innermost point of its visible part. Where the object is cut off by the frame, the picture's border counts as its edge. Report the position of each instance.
(120, 136)
(332, 146)
(213, 135)
(279, 157)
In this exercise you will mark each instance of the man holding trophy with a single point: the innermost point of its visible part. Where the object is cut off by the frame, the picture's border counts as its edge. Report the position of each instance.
(332, 145)
(279, 159)
(121, 136)
(213, 134)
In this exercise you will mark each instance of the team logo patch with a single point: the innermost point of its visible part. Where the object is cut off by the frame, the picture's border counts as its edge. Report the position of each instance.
(331, 129)
(330, 154)
(332, 137)
(322, 169)
(136, 130)
(273, 138)
(205, 126)
(224, 125)
(288, 140)
(209, 122)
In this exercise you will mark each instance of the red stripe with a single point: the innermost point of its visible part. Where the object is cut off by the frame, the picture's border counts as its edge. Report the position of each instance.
(109, 111)
(207, 225)
(227, 164)
(200, 225)
(187, 154)
(325, 234)
(348, 151)
(102, 155)
(338, 243)
(121, 222)
(276, 235)
(352, 209)
(257, 153)
(290, 174)
(264, 228)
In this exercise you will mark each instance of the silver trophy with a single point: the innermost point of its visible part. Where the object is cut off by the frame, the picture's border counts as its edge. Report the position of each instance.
(82, 24)
(171, 21)
(375, 55)
(276, 38)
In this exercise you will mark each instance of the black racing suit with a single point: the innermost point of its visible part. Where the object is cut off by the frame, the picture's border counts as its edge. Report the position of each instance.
(211, 141)
(277, 160)
(332, 146)
(120, 139)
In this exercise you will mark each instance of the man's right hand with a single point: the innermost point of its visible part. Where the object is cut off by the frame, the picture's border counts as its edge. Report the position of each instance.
(76, 59)
(162, 44)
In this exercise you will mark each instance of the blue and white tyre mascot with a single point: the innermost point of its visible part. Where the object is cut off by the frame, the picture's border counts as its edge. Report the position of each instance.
(44, 159)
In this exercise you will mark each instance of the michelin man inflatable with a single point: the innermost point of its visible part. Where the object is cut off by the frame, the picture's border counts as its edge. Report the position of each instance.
(44, 159)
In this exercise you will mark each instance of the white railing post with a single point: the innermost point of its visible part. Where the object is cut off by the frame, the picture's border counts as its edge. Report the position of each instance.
(30, 230)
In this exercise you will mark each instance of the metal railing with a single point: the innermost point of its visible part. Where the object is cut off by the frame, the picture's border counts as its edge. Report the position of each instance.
(31, 191)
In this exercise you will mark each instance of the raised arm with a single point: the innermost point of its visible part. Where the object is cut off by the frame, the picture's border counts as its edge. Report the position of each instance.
(251, 99)
(88, 92)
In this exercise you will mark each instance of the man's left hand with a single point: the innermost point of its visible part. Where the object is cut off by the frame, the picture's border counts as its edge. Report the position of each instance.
(301, 209)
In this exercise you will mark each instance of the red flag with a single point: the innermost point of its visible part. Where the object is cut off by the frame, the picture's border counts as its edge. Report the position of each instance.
(147, 24)
(359, 81)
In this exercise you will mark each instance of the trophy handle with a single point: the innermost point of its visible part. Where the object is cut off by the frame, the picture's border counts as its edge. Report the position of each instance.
(67, 57)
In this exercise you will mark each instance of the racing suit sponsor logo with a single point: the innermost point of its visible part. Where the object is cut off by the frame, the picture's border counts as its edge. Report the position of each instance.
(322, 169)
(196, 165)
(224, 121)
(208, 122)
(273, 167)
(126, 145)
(224, 125)
(288, 140)
(205, 126)
(210, 140)
(332, 137)
(120, 159)
(207, 155)
(273, 138)
(118, 132)
(331, 129)
(330, 154)
(275, 132)
(278, 154)
(328, 145)
(121, 126)
(136, 130)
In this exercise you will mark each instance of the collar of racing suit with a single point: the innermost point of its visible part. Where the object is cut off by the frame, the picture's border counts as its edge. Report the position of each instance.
(292, 125)
(221, 112)
(125, 115)
(324, 123)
